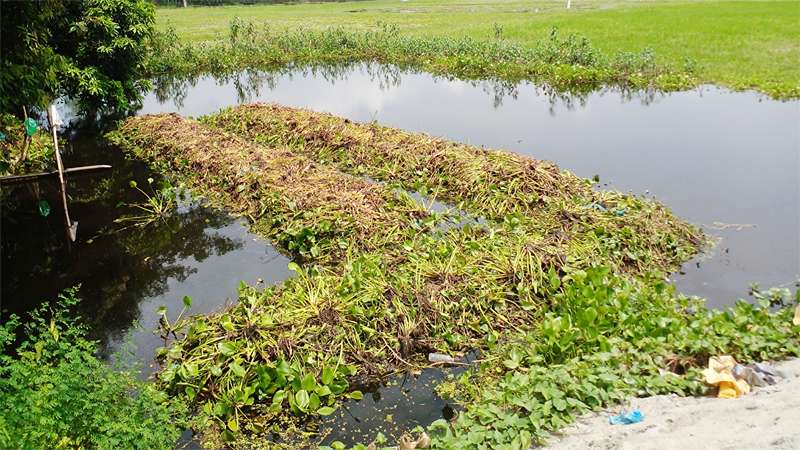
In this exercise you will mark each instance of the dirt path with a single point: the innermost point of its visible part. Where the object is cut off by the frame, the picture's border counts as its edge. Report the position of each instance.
(767, 418)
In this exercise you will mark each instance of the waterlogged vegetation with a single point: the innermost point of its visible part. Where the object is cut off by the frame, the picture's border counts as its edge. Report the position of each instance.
(536, 196)
(558, 287)
(158, 205)
(56, 393)
(738, 44)
(381, 290)
(312, 211)
(605, 339)
(569, 62)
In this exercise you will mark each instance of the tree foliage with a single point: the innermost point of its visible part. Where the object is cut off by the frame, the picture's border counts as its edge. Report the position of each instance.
(92, 50)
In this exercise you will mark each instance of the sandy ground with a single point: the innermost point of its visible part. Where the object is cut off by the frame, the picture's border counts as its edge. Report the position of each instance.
(766, 418)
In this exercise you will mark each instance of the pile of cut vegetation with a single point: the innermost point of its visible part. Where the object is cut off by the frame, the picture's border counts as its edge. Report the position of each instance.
(379, 285)
(495, 184)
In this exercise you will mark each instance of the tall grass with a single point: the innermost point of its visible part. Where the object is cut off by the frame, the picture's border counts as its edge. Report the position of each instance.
(567, 63)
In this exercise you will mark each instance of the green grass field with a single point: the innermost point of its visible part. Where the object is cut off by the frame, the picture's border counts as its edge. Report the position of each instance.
(735, 43)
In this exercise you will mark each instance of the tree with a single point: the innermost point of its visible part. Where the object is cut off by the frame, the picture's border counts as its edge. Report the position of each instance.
(91, 50)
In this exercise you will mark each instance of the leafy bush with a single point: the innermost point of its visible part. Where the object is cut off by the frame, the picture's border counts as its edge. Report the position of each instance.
(17, 156)
(90, 49)
(57, 394)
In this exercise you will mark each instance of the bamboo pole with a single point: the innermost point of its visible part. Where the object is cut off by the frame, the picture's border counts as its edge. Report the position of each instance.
(14, 179)
(52, 115)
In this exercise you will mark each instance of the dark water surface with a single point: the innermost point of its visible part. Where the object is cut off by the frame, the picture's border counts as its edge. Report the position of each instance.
(727, 161)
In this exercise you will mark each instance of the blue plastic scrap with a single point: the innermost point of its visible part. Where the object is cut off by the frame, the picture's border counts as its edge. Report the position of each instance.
(628, 418)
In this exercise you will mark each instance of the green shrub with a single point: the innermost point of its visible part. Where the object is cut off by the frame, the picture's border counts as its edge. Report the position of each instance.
(57, 394)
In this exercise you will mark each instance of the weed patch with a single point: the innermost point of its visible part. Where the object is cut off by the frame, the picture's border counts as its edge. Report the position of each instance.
(568, 63)
(57, 394)
(537, 196)
(311, 211)
(400, 290)
(607, 339)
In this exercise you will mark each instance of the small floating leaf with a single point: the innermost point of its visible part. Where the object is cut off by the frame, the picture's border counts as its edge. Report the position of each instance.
(325, 411)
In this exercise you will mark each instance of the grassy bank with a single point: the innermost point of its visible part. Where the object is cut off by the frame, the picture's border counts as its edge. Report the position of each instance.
(566, 63)
(293, 351)
(741, 44)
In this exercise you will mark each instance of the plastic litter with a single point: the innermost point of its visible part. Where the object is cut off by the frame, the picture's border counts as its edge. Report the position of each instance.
(30, 126)
(598, 207)
(440, 358)
(796, 320)
(408, 443)
(2, 136)
(44, 208)
(634, 416)
(720, 373)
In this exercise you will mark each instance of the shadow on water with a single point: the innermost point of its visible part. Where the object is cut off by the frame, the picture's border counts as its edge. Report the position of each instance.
(125, 276)
(726, 161)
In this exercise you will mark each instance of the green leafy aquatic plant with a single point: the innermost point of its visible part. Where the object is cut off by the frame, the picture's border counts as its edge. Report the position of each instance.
(637, 233)
(606, 339)
(313, 212)
(396, 288)
(157, 205)
(56, 393)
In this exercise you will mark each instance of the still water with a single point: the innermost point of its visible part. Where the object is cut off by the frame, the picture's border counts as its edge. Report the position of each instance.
(729, 162)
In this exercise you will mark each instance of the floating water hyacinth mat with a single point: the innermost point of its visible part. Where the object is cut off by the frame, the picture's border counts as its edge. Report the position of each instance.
(495, 184)
(310, 210)
(379, 287)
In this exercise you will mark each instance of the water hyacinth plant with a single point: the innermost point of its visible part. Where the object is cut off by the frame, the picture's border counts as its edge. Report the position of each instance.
(495, 184)
(391, 289)
(312, 211)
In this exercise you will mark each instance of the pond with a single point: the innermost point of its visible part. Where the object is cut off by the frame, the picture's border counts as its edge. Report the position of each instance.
(723, 160)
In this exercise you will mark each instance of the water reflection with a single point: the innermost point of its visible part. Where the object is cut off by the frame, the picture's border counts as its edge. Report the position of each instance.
(712, 155)
(124, 275)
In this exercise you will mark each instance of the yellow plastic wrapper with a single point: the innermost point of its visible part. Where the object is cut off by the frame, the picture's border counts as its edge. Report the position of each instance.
(719, 373)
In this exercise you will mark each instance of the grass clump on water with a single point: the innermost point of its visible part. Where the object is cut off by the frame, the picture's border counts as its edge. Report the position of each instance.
(394, 290)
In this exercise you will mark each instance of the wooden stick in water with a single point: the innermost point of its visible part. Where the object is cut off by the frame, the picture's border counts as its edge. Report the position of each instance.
(72, 228)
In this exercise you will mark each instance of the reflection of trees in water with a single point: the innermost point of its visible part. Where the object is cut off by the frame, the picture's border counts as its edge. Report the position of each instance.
(117, 270)
(250, 83)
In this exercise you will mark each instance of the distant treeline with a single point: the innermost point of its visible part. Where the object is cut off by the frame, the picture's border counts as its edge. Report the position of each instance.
(231, 2)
